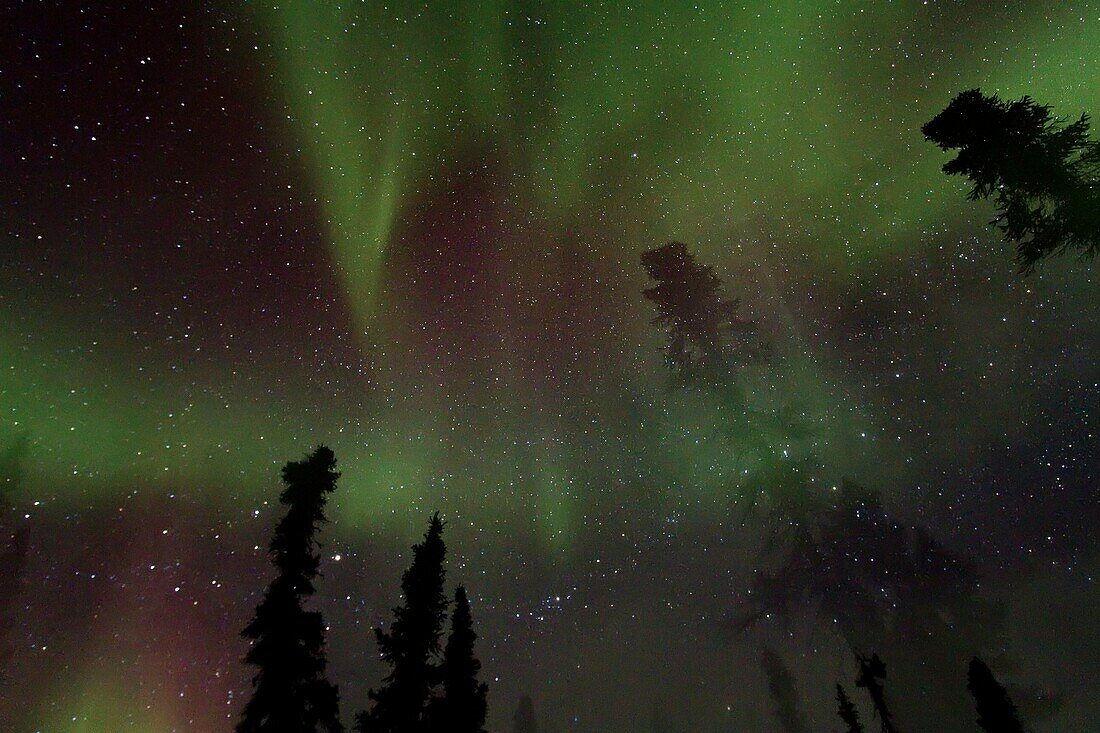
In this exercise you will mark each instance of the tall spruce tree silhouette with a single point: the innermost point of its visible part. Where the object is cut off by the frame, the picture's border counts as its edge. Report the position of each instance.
(709, 350)
(523, 720)
(1043, 175)
(784, 695)
(871, 673)
(706, 338)
(411, 646)
(290, 691)
(847, 711)
(996, 713)
(462, 705)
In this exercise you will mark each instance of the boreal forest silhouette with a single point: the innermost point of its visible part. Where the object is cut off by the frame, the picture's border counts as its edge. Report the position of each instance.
(1043, 174)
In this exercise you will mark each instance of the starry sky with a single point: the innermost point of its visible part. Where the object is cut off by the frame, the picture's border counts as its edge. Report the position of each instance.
(411, 231)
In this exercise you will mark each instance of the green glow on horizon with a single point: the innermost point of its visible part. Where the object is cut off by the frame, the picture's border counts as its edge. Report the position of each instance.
(93, 702)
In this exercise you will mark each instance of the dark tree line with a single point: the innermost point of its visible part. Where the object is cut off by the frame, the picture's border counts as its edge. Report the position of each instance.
(433, 687)
(996, 713)
(1042, 174)
(877, 581)
(430, 689)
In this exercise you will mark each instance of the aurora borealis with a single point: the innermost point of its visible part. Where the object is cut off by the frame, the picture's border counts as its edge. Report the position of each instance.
(412, 232)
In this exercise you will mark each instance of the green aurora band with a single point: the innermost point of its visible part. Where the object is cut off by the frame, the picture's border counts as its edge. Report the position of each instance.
(779, 139)
(746, 130)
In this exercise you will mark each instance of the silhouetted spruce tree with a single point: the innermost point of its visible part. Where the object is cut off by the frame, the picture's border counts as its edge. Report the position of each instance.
(705, 335)
(871, 673)
(1043, 175)
(461, 707)
(524, 721)
(847, 711)
(996, 713)
(411, 646)
(783, 693)
(290, 691)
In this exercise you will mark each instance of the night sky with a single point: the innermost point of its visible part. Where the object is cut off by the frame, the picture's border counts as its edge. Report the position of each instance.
(412, 232)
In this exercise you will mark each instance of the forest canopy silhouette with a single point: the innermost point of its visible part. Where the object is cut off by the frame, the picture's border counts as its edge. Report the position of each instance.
(692, 367)
(430, 688)
(434, 687)
(1043, 174)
